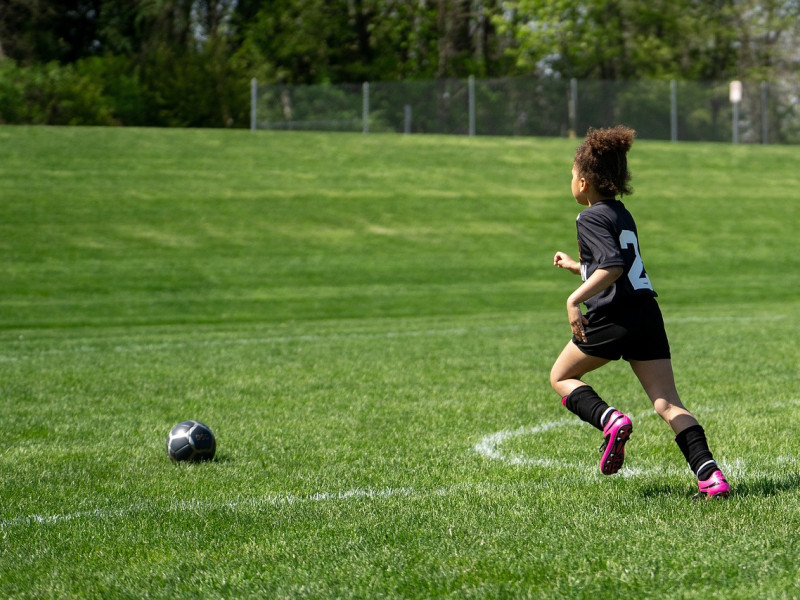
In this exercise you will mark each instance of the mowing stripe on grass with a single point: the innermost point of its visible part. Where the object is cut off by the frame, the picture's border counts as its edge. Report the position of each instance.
(258, 341)
(334, 337)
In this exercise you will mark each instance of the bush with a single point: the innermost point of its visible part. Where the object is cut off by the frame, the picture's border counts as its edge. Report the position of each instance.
(52, 94)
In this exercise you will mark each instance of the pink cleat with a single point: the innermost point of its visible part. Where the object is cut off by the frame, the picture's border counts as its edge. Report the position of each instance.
(616, 432)
(715, 486)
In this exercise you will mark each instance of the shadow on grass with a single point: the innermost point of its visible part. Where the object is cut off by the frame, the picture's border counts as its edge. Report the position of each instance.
(199, 464)
(768, 485)
(763, 486)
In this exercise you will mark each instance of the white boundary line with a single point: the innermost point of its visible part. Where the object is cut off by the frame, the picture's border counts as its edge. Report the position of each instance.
(269, 501)
(737, 468)
(187, 506)
(490, 446)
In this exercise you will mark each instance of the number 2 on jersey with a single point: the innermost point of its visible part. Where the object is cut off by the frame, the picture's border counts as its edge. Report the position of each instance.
(636, 274)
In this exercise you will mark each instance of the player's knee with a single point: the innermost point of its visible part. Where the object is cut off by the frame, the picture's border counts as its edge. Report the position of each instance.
(555, 378)
(558, 381)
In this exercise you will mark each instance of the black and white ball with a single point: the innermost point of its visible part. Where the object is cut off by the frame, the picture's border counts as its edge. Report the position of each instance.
(191, 441)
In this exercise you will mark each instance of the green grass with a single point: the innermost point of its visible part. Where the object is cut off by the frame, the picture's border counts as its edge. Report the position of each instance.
(356, 317)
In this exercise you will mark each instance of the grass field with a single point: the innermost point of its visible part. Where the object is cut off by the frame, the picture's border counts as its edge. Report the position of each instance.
(367, 323)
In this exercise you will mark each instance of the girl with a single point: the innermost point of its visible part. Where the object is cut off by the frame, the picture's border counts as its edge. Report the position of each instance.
(622, 317)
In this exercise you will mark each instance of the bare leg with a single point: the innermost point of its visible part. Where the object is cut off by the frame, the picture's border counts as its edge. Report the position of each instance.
(565, 377)
(658, 382)
(570, 366)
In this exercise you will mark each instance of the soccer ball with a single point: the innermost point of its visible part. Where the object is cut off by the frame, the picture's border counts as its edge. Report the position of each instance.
(191, 441)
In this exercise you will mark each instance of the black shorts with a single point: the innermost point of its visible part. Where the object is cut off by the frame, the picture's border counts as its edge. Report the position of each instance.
(634, 331)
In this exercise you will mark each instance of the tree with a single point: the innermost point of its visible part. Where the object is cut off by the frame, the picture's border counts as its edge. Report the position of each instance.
(40, 31)
(769, 36)
(315, 41)
(187, 62)
(627, 39)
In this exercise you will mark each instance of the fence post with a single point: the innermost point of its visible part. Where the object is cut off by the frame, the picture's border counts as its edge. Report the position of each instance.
(407, 121)
(735, 98)
(764, 113)
(253, 103)
(573, 107)
(365, 106)
(471, 94)
(673, 110)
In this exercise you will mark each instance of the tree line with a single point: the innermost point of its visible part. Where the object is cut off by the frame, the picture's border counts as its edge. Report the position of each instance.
(188, 62)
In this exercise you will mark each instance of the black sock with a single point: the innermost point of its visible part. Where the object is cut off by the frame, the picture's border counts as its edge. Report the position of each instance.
(585, 403)
(692, 442)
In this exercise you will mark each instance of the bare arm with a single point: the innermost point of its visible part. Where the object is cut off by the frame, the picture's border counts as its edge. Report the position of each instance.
(562, 260)
(596, 283)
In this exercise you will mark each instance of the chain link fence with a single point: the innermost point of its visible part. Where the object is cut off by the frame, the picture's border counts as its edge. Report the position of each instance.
(523, 106)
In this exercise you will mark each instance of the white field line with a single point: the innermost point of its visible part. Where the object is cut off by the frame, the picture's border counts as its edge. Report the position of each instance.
(733, 469)
(269, 501)
(334, 337)
(490, 446)
(197, 506)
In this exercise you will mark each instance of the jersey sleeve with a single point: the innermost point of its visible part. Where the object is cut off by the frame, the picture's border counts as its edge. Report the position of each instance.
(598, 238)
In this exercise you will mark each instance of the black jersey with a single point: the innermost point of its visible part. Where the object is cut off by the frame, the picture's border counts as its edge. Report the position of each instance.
(607, 237)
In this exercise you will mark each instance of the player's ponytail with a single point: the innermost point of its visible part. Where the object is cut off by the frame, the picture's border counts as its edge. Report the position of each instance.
(601, 159)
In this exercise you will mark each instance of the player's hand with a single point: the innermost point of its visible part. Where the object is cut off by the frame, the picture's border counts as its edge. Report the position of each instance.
(562, 260)
(577, 321)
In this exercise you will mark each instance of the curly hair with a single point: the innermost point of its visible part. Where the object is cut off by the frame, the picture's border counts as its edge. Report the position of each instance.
(601, 159)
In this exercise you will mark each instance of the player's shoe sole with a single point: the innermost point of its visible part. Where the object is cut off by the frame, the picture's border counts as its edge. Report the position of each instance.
(715, 486)
(616, 433)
